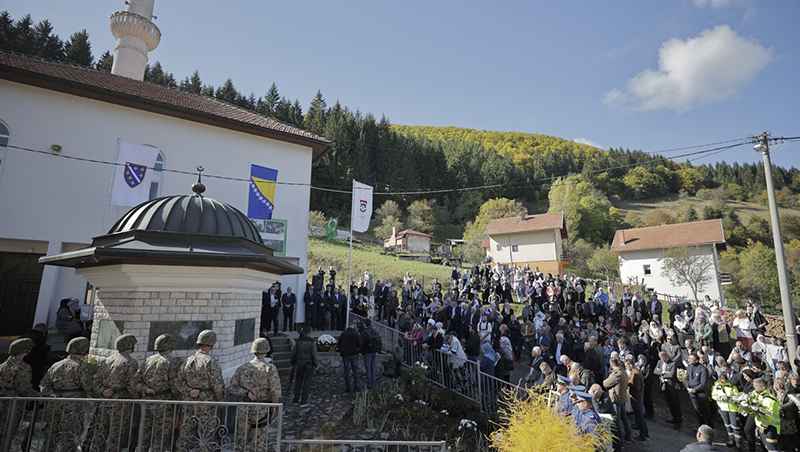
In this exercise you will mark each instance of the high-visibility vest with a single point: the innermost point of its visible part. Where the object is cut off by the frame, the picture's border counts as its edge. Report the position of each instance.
(772, 406)
(720, 392)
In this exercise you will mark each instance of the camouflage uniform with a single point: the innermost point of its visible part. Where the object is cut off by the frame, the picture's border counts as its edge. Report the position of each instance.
(261, 378)
(202, 372)
(15, 381)
(159, 373)
(72, 378)
(118, 373)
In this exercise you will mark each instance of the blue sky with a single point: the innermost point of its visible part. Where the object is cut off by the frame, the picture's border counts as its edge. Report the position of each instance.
(636, 74)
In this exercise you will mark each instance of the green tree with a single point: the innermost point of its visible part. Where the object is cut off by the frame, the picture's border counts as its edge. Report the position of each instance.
(227, 92)
(388, 208)
(422, 215)
(316, 223)
(385, 228)
(691, 214)
(78, 49)
(156, 74)
(579, 252)
(48, 45)
(270, 103)
(105, 62)
(314, 120)
(490, 210)
(643, 183)
(604, 262)
(192, 84)
(688, 266)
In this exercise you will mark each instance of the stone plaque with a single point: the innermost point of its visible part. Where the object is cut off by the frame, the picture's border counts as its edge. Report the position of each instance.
(245, 331)
(107, 333)
(184, 331)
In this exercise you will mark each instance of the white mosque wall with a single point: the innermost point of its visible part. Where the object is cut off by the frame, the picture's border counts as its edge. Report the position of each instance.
(61, 201)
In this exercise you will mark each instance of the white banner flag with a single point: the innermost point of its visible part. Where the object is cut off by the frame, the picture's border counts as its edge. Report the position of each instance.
(133, 174)
(362, 206)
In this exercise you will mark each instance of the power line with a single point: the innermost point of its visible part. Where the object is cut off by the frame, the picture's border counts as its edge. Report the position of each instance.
(702, 153)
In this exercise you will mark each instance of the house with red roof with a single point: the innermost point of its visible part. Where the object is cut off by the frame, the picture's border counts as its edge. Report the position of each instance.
(533, 240)
(408, 240)
(640, 249)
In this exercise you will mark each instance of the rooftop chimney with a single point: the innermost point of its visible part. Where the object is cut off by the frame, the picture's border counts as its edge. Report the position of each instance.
(522, 216)
(136, 35)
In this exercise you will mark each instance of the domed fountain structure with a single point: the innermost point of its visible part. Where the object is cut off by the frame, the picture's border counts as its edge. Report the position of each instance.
(178, 264)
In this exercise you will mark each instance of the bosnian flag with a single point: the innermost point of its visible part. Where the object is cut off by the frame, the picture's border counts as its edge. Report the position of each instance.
(133, 174)
(261, 201)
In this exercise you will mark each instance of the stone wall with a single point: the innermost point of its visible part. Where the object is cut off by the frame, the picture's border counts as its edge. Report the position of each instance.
(183, 314)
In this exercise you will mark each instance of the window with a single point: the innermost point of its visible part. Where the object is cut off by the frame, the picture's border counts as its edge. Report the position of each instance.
(4, 136)
(515, 248)
(647, 269)
(499, 247)
(158, 177)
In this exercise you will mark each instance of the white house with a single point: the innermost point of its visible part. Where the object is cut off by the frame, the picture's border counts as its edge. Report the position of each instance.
(533, 240)
(639, 251)
(59, 128)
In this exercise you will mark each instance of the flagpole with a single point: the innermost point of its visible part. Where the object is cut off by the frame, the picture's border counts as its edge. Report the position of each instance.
(110, 187)
(349, 266)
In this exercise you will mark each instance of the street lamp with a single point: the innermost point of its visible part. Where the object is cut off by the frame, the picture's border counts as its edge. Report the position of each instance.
(780, 257)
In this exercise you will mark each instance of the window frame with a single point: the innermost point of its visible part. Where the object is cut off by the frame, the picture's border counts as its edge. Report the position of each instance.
(648, 270)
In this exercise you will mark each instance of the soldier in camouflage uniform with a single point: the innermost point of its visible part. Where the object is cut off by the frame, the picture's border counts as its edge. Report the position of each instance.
(70, 377)
(255, 381)
(157, 380)
(116, 379)
(15, 381)
(200, 379)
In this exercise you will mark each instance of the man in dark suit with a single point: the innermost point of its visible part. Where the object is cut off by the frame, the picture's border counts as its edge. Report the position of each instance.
(37, 358)
(696, 380)
(311, 299)
(667, 372)
(655, 308)
(288, 300)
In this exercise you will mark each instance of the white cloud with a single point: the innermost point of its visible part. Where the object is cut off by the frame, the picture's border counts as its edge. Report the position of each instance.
(716, 4)
(711, 67)
(588, 142)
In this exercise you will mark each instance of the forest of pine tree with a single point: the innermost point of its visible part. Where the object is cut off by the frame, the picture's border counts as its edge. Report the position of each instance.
(407, 160)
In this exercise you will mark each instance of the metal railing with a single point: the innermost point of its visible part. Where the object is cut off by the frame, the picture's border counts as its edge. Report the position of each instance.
(447, 371)
(321, 445)
(110, 425)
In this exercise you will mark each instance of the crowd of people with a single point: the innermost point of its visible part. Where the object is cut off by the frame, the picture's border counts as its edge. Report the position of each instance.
(621, 348)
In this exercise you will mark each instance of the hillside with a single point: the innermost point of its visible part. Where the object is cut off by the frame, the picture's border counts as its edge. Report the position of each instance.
(382, 266)
(676, 205)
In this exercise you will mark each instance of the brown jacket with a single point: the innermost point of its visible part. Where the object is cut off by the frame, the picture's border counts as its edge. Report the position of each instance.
(636, 385)
(617, 386)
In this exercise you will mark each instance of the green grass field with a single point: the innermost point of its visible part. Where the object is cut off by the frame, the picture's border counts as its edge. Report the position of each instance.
(677, 206)
(382, 266)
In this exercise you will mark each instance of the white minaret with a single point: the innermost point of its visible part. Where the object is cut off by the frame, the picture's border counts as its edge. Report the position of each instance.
(136, 35)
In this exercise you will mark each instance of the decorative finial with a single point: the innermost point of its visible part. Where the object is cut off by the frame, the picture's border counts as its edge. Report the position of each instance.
(198, 188)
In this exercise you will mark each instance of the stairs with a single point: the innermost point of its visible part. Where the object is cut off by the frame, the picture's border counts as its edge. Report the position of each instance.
(281, 354)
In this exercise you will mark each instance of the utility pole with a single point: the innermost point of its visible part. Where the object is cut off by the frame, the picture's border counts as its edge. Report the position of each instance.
(780, 257)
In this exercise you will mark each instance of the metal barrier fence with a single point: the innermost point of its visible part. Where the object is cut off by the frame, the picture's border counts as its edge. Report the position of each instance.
(111, 425)
(309, 445)
(462, 376)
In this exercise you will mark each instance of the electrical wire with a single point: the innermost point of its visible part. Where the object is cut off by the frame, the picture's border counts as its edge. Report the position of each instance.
(701, 154)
